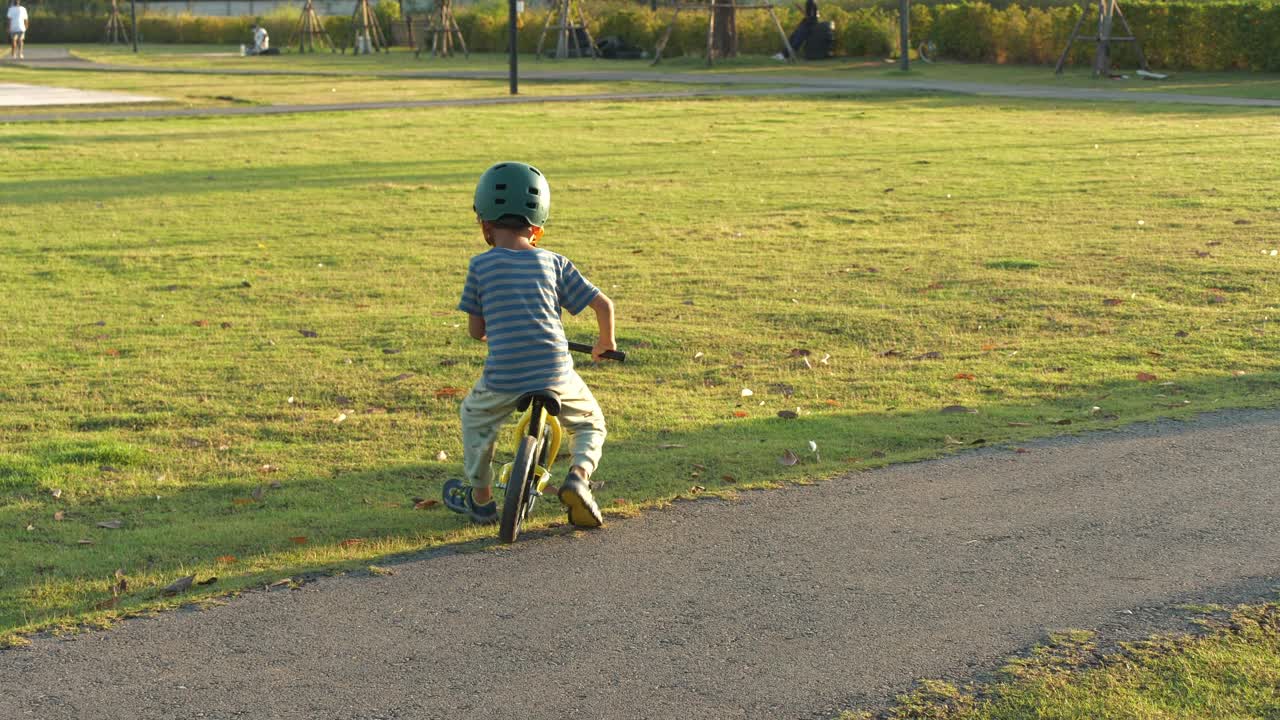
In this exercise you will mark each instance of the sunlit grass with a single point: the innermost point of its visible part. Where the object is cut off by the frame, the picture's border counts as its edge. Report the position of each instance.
(1031, 261)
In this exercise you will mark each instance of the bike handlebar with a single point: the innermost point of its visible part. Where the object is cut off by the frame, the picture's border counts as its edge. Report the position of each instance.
(610, 354)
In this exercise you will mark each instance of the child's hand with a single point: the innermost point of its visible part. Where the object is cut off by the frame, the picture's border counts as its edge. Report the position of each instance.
(601, 347)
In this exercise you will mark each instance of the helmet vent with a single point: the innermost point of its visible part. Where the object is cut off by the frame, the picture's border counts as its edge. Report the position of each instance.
(499, 201)
(531, 205)
(500, 186)
(534, 191)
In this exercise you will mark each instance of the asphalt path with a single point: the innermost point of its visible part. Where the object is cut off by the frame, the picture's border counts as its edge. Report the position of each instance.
(781, 604)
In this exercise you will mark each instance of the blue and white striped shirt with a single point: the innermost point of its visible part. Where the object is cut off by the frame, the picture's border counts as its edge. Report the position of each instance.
(520, 293)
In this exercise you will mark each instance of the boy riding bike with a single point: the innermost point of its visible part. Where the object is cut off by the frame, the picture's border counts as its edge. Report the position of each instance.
(513, 296)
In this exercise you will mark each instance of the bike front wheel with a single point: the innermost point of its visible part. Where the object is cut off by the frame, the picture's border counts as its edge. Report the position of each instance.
(517, 497)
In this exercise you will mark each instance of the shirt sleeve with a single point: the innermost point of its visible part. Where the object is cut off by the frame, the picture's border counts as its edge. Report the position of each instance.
(574, 292)
(470, 302)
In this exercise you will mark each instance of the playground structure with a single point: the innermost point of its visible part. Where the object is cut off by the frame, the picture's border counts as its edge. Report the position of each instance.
(443, 29)
(571, 29)
(310, 31)
(115, 31)
(722, 34)
(1108, 11)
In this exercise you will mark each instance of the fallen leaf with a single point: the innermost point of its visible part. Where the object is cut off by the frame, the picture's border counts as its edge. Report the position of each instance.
(931, 355)
(789, 458)
(746, 392)
(108, 469)
(729, 478)
(988, 348)
(425, 504)
(788, 414)
(965, 376)
(59, 516)
(107, 604)
(1064, 421)
(225, 325)
(698, 356)
(1181, 334)
(57, 493)
(390, 351)
(669, 446)
(1019, 424)
(1112, 302)
(699, 467)
(226, 560)
(448, 392)
(309, 333)
(826, 357)
(799, 352)
(1217, 299)
(442, 456)
(877, 454)
(1146, 377)
(1021, 451)
(30, 527)
(351, 542)
(620, 501)
(84, 541)
(952, 441)
(958, 410)
(340, 418)
(182, 584)
(1239, 373)
(112, 352)
(697, 489)
(402, 376)
(201, 323)
(890, 353)
(258, 492)
(241, 501)
(299, 540)
(111, 524)
(739, 413)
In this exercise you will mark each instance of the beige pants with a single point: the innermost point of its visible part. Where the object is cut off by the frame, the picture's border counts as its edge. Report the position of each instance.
(485, 411)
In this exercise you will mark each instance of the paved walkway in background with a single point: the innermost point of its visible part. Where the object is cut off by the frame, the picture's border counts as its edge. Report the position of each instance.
(713, 84)
(785, 604)
(23, 95)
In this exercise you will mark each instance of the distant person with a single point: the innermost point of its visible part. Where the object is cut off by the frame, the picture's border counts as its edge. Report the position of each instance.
(18, 22)
(261, 41)
(803, 31)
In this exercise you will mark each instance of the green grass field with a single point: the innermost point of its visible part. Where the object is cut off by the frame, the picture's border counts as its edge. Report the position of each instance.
(1231, 670)
(198, 302)
(215, 58)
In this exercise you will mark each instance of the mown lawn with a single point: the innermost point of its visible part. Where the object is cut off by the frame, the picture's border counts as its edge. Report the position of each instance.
(214, 58)
(1232, 670)
(197, 304)
(214, 90)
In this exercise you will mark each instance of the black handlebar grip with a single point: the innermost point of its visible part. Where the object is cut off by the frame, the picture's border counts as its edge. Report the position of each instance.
(610, 354)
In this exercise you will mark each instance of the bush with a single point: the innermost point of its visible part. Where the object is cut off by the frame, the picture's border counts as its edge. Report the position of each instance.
(1178, 34)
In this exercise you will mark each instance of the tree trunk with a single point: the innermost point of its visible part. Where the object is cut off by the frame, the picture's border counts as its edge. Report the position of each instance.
(724, 41)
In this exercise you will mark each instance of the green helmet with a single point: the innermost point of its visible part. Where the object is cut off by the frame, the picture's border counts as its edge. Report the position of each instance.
(513, 188)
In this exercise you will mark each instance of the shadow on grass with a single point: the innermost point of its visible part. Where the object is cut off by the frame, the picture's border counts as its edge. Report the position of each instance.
(364, 517)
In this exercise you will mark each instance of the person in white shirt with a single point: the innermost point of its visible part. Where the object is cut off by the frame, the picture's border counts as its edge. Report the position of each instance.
(18, 22)
(260, 40)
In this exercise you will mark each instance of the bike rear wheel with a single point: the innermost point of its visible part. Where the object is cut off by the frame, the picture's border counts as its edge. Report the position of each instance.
(517, 497)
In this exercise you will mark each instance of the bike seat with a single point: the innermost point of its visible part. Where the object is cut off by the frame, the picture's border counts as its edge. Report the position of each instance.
(550, 401)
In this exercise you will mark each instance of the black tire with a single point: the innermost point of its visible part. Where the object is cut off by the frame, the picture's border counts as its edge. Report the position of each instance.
(518, 489)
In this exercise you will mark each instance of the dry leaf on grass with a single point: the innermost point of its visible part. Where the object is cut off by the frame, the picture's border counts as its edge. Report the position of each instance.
(958, 410)
(788, 414)
(111, 524)
(425, 504)
(351, 542)
(788, 458)
(180, 585)
(1146, 377)
(309, 333)
(298, 540)
(59, 516)
(226, 560)
(442, 456)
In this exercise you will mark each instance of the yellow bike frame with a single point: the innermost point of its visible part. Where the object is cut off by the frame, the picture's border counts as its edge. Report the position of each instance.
(543, 474)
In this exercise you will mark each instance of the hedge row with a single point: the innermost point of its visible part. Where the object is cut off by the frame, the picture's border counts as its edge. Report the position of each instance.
(1180, 34)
